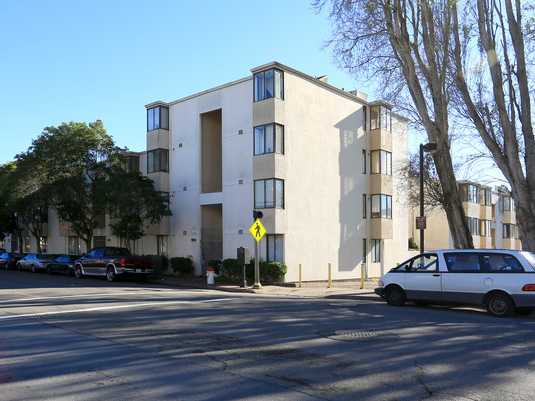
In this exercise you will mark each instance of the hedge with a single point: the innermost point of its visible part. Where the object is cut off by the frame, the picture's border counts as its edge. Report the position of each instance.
(182, 266)
(270, 272)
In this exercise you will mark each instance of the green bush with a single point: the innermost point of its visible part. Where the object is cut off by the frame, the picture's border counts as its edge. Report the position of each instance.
(182, 266)
(160, 264)
(270, 272)
(412, 243)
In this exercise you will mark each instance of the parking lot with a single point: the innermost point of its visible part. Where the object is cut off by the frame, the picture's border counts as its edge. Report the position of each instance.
(68, 339)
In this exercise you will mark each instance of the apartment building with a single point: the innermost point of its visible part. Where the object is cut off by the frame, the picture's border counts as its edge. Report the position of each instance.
(490, 214)
(318, 161)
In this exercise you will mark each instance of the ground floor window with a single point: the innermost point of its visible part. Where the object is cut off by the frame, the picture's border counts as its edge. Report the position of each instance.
(161, 245)
(364, 250)
(376, 250)
(74, 245)
(99, 241)
(43, 244)
(275, 248)
(27, 244)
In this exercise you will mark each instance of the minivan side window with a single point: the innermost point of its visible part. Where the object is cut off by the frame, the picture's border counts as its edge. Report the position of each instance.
(500, 263)
(426, 263)
(462, 262)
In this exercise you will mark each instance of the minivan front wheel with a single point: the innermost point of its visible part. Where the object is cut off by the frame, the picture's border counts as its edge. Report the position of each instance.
(395, 296)
(500, 305)
(78, 272)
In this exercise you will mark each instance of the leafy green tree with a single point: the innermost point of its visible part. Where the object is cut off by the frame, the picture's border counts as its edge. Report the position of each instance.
(134, 203)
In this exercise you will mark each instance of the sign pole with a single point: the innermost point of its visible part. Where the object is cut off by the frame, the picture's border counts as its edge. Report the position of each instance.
(257, 284)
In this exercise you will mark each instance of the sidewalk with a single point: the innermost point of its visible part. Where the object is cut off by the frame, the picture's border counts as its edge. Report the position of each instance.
(341, 289)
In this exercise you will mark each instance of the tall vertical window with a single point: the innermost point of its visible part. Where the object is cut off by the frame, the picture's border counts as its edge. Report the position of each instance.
(487, 196)
(364, 161)
(268, 84)
(376, 250)
(381, 162)
(472, 193)
(364, 250)
(381, 206)
(364, 206)
(506, 203)
(157, 160)
(43, 244)
(364, 117)
(162, 245)
(157, 118)
(509, 231)
(380, 117)
(269, 138)
(132, 163)
(269, 194)
(474, 225)
(275, 248)
(74, 245)
(485, 230)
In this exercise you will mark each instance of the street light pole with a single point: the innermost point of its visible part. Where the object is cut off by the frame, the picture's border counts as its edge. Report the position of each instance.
(422, 231)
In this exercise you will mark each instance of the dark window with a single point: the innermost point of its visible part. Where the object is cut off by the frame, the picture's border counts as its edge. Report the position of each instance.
(157, 160)
(364, 117)
(381, 206)
(269, 194)
(462, 262)
(364, 161)
(509, 231)
(364, 250)
(376, 250)
(472, 193)
(275, 248)
(269, 138)
(500, 263)
(487, 197)
(268, 84)
(99, 241)
(364, 206)
(157, 118)
(381, 162)
(506, 203)
(473, 225)
(486, 227)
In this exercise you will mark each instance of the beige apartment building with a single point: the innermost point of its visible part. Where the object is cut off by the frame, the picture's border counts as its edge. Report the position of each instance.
(320, 162)
(490, 214)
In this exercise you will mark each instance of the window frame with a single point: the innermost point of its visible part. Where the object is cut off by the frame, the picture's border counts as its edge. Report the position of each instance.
(364, 161)
(274, 189)
(382, 154)
(364, 206)
(380, 216)
(274, 139)
(159, 170)
(160, 125)
(275, 92)
(402, 269)
(274, 237)
(376, 250)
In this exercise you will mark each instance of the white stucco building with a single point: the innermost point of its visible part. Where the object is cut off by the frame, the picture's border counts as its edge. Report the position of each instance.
(320, 163)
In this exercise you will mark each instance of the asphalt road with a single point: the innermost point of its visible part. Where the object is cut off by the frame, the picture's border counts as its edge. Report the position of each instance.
(67, 339)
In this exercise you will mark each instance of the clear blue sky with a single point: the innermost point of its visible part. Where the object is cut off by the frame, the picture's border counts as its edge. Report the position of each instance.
(87, 60)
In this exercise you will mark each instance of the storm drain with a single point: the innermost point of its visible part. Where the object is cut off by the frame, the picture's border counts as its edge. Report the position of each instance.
(355, 335)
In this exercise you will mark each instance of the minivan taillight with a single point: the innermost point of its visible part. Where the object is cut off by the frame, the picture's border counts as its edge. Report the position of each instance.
(528, 287)
(122, 262)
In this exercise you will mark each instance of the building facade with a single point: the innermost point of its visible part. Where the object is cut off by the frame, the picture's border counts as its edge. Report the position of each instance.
(320, 163)
(490, 215)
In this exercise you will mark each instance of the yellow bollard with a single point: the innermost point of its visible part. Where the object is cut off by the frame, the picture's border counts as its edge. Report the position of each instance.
(329, 281)
(300, 275)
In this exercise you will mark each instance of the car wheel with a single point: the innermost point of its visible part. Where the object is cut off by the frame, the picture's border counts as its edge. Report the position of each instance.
(395, 296)
(78, 272)
(110, 274)
(500, 305)
(523, 311)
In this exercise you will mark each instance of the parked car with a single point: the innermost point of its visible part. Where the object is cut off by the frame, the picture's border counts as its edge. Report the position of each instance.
(111, 262)
(35, 262)
(503, 281)
(9, 259)
(62, 264)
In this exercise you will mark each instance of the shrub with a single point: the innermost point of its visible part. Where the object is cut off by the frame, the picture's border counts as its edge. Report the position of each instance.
(270, 272)
(412, 244)
(182, 266)
(160, 264)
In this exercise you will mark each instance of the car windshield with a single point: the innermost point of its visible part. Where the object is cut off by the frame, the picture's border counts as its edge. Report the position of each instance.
(530, 256)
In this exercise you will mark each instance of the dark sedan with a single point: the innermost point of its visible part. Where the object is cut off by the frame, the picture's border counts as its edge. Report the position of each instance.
(63, 264)
(9, 260)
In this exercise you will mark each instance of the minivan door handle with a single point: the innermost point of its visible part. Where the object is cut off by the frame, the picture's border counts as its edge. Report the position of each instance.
(436, 274)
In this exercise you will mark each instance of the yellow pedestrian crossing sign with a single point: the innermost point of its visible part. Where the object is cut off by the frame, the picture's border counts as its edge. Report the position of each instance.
(257, 230)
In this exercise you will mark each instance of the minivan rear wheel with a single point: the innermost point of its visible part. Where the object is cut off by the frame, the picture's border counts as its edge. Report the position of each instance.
(500, 305)
(110, 274)
(78, 272)
(395, 296)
